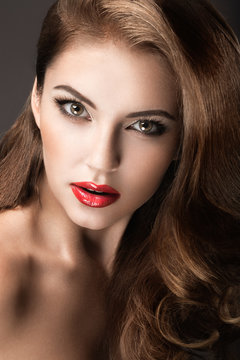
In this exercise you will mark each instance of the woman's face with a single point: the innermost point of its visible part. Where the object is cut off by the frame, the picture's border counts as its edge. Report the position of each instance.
(107, 116)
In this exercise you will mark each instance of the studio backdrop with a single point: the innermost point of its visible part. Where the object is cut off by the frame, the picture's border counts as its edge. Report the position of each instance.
(20, 23)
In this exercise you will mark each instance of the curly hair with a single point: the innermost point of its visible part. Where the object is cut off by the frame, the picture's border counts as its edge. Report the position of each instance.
(178, 261)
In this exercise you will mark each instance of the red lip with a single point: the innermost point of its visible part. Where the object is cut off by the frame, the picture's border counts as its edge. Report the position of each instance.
(82, 191)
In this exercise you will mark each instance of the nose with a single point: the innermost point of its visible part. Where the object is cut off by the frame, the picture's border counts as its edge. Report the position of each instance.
(104, 152)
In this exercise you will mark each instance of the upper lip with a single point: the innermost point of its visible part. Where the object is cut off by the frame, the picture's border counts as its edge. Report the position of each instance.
(94, 187)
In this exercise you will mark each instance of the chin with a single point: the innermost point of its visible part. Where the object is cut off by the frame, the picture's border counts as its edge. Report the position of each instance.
(93, 222)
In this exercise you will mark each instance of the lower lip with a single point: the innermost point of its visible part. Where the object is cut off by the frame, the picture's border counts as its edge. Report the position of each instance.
(93, 200)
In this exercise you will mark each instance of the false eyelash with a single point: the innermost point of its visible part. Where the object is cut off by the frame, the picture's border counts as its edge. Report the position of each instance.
(161, 127)
(65, 99)
(60, 101)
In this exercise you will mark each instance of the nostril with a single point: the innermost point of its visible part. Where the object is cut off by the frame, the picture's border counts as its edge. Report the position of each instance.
(104, 161)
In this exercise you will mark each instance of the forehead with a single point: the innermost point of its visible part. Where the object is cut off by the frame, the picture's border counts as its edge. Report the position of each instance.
(114, 71)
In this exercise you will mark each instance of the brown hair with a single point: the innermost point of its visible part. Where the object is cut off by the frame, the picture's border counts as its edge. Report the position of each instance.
(178, 261)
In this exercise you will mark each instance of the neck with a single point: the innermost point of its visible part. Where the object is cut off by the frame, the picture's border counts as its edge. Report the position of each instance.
(102, 244)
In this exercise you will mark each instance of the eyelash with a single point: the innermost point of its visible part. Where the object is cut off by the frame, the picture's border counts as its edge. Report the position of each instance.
(160, 127)
(61, 102)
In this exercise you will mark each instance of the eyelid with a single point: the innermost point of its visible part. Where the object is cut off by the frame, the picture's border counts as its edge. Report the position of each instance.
(150, 119)
(66, 99)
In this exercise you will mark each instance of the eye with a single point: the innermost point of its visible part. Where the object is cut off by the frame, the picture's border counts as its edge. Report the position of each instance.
(75, 109)
(149, 127)
(72, 108)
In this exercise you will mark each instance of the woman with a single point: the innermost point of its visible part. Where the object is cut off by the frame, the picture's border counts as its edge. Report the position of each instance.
(120, 187)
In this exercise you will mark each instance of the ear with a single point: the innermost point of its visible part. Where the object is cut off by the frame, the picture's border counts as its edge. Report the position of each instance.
(35, 103)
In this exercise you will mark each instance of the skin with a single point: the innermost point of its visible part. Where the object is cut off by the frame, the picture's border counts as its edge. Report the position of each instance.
(56, 253)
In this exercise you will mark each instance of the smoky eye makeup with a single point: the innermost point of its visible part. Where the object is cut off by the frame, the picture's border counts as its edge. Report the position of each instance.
(72, 108)
(149, 127)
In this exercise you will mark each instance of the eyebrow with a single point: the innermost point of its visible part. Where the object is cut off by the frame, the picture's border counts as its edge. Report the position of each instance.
(146, 113)
(75, 93)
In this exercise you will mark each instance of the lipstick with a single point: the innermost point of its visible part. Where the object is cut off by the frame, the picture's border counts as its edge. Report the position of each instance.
(93, 195)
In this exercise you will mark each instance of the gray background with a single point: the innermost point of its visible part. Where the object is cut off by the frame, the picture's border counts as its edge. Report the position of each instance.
(20, 23)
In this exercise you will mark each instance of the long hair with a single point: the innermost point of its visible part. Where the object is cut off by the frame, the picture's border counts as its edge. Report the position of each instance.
(178, 261)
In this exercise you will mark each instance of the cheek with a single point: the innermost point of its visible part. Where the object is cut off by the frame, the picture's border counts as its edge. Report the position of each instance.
(54, 148)
(147, 167)
(62, 142)
(51, 133)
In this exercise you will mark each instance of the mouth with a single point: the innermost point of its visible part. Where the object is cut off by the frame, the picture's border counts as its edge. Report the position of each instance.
(93, 195)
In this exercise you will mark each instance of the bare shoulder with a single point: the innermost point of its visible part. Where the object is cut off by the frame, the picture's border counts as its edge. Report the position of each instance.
(12, 222)
(14, 259)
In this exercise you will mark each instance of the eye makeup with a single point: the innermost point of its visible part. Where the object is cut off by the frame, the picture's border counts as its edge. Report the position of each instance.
(149, 127)
(72, 108)
(144, 126)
